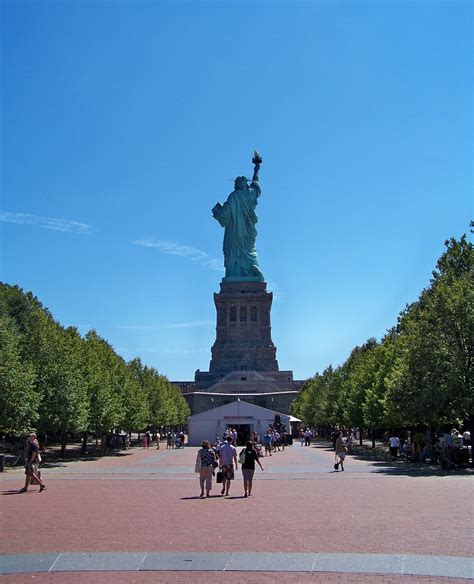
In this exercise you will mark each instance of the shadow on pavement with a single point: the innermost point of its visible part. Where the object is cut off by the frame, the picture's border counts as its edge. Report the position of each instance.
(381, 463)
(62, 462)
(416, 470)
(13, 492)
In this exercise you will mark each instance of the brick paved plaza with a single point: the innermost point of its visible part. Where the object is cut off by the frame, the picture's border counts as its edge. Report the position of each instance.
(137, 517)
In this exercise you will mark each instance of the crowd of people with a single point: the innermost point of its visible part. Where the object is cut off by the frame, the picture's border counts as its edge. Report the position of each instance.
(222, 458)
(450, 448)
(173, 439)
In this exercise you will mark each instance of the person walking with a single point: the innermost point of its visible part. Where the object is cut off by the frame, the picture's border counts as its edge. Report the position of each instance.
(248, 458)
(394, 445)
(447, 447)
(340, 452)
(33, 459)
(302, 438)
(267, 442)
(227, 457)
(205, 464)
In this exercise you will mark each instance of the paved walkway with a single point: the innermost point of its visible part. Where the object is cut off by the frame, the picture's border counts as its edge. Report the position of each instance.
(129, 517)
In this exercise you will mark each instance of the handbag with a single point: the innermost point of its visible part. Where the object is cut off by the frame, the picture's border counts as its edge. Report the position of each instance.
(33, 481)
(219, 476)
(242, 457)
(198, 465)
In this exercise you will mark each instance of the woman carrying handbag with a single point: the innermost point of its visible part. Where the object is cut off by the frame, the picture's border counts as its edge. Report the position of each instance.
(247, 459)
(205, 464)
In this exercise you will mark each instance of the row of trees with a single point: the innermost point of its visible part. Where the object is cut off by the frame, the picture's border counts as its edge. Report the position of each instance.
(53, 379)
(419, 374)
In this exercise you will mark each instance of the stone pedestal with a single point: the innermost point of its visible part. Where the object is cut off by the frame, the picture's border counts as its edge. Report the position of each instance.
(243, 364)
(243, 332)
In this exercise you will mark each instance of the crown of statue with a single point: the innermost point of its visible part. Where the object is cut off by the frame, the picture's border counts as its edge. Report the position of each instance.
(239, 177)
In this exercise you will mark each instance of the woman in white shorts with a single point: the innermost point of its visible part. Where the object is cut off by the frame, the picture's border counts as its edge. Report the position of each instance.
(340, 452)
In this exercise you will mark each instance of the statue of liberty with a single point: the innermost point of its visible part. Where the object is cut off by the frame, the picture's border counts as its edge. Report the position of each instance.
(238, 218)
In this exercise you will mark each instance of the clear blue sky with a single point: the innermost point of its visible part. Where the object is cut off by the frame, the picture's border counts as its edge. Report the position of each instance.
(122, 123)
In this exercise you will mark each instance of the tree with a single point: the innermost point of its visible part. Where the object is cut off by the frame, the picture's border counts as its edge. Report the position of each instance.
(421, 372)
(65, 404)
(431, 379)
(381, 365)
(101, 366)
(358, 373)
(19, 400)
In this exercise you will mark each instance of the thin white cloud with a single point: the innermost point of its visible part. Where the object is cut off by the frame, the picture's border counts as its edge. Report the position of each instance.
(186, 351)
(189, 324)
(139, 327)
(135, 327)
(184, 251)
(214, 265)
(63, 225)
(145, 350)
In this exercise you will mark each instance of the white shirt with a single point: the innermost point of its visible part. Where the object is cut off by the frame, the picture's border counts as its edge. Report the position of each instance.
(227, 453)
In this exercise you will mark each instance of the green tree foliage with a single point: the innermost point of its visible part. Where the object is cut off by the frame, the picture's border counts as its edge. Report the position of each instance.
(379, 368)
(135, 411)
(420, 373)
(319, 401)
(432, 378)
(166, 405)
(19, 401)
(104, 383)
(358, 377)
(52, 378)
(65, 402)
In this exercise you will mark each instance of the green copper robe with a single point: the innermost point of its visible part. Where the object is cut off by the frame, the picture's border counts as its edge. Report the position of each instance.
(238, 218)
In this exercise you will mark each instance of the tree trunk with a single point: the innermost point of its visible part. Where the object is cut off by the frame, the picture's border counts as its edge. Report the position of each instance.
(84, 443)
(360, 436)
(372, 432)
(63, 444)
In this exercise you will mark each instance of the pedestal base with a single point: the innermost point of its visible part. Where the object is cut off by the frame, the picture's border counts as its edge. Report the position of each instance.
(243, 332)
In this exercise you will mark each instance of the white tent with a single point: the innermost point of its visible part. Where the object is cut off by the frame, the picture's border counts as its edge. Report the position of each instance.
(242, 416)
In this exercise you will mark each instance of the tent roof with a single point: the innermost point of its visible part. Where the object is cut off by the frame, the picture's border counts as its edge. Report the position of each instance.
(238, 406)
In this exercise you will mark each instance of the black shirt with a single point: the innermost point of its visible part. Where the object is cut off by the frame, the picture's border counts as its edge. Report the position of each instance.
(32, 448)
(250, 458)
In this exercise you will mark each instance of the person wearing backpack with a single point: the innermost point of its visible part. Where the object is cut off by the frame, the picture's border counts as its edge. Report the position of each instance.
(247, 459)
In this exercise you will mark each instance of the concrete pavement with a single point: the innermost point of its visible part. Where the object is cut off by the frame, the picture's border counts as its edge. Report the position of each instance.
(375, 520)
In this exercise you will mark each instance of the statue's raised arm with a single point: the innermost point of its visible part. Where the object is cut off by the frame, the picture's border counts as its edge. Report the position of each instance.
(237, 216)
(257, 161)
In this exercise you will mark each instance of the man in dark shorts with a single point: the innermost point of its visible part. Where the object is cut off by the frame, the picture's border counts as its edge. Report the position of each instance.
(227, 459)
(31, 466)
